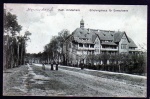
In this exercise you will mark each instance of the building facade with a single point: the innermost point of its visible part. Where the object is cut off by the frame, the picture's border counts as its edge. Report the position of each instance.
(85, 41)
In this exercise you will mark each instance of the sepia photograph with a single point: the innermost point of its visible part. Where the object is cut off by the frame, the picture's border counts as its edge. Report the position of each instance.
(70, 50)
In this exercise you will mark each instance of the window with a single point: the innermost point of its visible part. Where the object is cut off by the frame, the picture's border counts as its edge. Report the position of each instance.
(86, 45)
(123, 46)
(132, 48)
(82, 23)
(96, 42)
(114, 47)
(92, 46)
(80, 45)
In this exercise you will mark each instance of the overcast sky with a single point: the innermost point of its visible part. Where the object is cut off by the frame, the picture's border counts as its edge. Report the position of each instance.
(45, 21)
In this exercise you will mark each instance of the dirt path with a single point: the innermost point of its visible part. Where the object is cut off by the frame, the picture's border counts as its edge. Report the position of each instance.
(13, 83)
(65, 82)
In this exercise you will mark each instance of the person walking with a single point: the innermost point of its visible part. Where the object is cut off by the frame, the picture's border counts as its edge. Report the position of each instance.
(56, 65)
(52, 66)
(43, 66)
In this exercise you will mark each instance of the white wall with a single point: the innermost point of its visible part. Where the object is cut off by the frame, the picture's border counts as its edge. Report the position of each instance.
(124, 41)
(97, 45)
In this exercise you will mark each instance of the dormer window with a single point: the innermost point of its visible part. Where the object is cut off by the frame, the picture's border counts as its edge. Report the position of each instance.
(123, 46)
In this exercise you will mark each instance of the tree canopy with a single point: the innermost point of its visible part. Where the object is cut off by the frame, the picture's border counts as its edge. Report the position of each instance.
(11, 23)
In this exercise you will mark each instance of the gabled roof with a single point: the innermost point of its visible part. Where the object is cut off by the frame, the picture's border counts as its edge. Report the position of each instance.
(94, 37)
(132, 44)
(115, 36)
(68, 37)
(82, 33)
(118, 35)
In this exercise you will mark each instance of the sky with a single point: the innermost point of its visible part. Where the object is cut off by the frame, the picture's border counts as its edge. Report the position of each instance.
(46, 20)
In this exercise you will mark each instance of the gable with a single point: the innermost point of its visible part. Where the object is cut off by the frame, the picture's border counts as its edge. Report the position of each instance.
(69, 38)
(97, 41)
(118, 36)
(124, 39)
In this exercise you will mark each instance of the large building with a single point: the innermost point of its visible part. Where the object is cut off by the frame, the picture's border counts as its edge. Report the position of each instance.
(85, 41)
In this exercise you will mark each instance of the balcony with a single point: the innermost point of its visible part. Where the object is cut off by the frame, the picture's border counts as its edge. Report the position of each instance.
(85, 48)
(133, 50)
(108, 49)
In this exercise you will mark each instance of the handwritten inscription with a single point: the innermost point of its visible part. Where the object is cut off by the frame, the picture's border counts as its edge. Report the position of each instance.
(42, 9)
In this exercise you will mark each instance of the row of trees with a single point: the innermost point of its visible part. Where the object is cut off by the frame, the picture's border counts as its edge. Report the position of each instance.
(129, 63)
(13, 44)
(53, 51)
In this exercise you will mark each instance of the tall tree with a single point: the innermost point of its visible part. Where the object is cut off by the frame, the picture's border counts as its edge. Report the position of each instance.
(11, 28)
(53, 50)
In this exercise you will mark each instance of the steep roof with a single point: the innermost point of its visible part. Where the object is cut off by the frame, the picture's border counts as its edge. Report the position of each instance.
(118, 36)
(82, 41)
(82, 33)
(132, 44)
(105, 35)
(94, 37)
(115, 36)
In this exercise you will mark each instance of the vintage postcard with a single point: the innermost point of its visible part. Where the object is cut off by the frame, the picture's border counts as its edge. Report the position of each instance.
(75, 50)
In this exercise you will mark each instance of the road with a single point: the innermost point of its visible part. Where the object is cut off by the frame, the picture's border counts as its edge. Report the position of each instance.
(32, 80)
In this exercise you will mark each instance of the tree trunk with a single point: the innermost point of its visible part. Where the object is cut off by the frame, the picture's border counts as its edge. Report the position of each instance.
(18, 55)
(12, 58)
(119, 68)
(21, 54)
